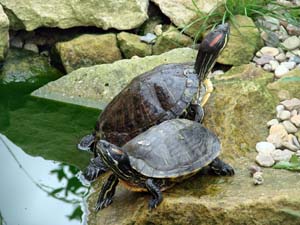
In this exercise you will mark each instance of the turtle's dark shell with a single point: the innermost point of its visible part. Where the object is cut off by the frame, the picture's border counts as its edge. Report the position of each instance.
(172, 149)
(151, 98)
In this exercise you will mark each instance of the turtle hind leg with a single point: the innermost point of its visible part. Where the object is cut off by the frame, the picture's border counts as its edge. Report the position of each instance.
(156, 194)
(86, 142)
(107, 192)
(94, 169)
(218, 167)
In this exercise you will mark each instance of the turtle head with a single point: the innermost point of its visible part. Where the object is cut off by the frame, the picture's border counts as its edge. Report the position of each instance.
(210, 48)
(113, 156)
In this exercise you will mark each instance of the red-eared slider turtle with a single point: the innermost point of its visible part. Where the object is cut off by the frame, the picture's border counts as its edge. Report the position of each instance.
(161, 156)
(168, 91)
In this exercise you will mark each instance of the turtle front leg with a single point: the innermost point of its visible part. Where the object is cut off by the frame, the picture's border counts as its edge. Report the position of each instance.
(107, 192)
(218, 167)
(155, 192)
(208, 90)
(197, 111)
(94, 169)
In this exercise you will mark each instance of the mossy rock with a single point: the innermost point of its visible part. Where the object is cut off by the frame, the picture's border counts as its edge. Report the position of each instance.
(170, 39)
(4, 37)
(23, 66)
(243, 42)
(88, 50)
(131, 45)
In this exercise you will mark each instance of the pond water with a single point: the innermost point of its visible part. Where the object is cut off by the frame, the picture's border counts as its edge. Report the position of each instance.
(39, 161)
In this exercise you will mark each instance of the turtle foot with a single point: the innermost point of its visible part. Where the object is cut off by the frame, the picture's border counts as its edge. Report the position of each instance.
(94, 169)
(86, 143)
(103, 204)
(221, 168)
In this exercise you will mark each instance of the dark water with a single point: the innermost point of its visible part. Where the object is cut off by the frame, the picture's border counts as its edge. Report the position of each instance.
(39, 161)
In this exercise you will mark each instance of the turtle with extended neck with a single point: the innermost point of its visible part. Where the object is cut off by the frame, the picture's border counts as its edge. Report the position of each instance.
(166, 92)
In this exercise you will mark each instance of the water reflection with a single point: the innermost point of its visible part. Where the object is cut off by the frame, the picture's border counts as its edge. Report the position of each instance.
(38, 191)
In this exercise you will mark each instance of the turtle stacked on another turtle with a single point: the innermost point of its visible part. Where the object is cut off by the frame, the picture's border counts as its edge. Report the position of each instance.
(158, 158)
(168, 91)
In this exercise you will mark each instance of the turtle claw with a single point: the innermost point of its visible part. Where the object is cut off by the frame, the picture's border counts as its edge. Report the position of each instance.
(227, 170)
(94, 169)
(221, 168)
(103, 204)
(153, 203)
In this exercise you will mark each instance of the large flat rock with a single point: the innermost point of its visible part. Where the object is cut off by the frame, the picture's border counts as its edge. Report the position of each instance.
(237, 112)
(121, 14)
(97, 85)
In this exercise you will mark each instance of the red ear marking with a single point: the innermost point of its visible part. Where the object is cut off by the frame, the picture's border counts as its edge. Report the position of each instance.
(117, 151)
(215, 40)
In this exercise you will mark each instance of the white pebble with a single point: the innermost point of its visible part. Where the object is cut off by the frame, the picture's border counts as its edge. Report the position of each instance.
(268, 67)
(289, 127)
(265, 147)
(281, 57)
(296, 120)
(279, 155)
(284, 115)
(279, 108)
(290, 65)
(258, 178)
(280, 71)
(269, 51)
(272, 122)
(264, 160)
(274, 64)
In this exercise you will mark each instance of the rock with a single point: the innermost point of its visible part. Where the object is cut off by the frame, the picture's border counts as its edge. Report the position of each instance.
(31, 47)
(254, 169)
(148, 38)
(296, 120)
(270, 23)
(16, 42)
(279, 108)
(289, 65)
(291, 43)
(150, 24)
(238, 51)
(295, 53)
(291, 104)
(122, 15)
(258, 178)
(280, 71)
(269, 51)
(158, 30)
(295, 59)
(277, 135)
(272, 122)
(284, 115)
(274, 64)
(289, 82)
(267, 67)
(87, 50)
(184, 12)
(270, 38)
(294, 112)
(293, 30)
(217, 73)
(131, 45)
(265, 147)
(93, 88)
(26, 66)
(281, 57)
(282, 33)
(263, 60)
(290, 146)
(264, 160)
(283, 95)
(297, 134)
(170, 39)
(282, 155)
(4, 37)
(289, 127)
(289, 54)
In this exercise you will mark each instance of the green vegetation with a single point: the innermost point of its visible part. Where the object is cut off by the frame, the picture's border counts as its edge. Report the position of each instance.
(251, 8)
(293, 164)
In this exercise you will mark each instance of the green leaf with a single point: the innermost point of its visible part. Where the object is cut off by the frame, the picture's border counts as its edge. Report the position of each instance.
(294, 159)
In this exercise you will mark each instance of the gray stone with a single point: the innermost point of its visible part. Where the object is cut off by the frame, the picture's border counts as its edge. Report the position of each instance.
(289, 65)
(31, 47)
(274, 64)
(295, 59)
(269, 51)
(267, 67)
(289, 127)
(272, 122)
(281, 71)
(291, 43)
(265, 160)
(282, 155)
(270, 38)
(258, 178)
(295, 53)
(293, 30)
(284, 115)
(148, 38)
(281, 57)
(4, 37)
(296, 120)
(93, 87)
(294, 112)
(282, 33)
(265, 147)
(16, 42)
(121, 14)
(279, 108)
(291, 104)
(88, 50)
(289, 54)
(263, 60)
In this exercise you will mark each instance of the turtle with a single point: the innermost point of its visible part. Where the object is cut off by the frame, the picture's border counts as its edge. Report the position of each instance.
(160, 157)
(166, 92)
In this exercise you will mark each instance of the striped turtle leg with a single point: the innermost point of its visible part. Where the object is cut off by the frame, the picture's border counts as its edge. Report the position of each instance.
(156, 194)
(94, 169)
(208, 90)
(107, 192)
(218, 167)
